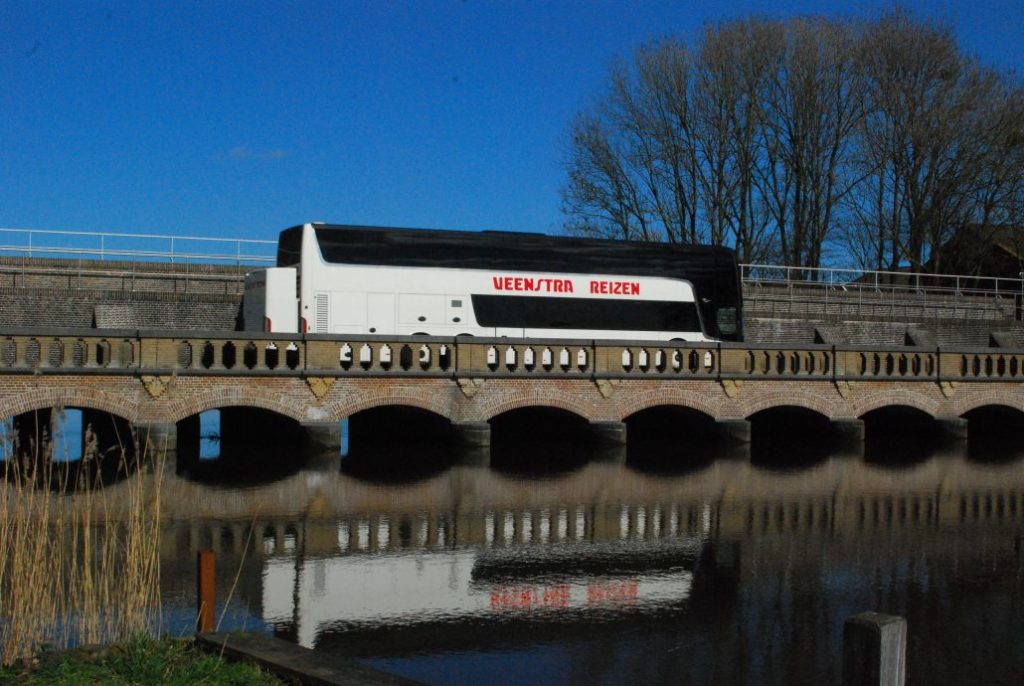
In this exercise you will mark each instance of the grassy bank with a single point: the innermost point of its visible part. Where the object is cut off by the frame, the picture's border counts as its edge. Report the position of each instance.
(140, 661)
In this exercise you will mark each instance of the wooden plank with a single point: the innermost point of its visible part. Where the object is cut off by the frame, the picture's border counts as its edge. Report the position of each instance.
(292, 661)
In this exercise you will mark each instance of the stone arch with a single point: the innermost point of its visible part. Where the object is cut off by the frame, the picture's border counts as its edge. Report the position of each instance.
(672, 397)
(369, 401)
(896, 397)
(814, 402)
(51, 397)
(964, 400)
(234, 397)
(546, 399)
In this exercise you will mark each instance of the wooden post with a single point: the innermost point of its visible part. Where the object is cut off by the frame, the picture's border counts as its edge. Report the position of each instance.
(205, 590)
(874, 650)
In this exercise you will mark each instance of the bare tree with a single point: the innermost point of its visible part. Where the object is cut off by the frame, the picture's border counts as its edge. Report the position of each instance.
(783, 138)
(631, 163)
(732, 73)
(813, 106)
(937, 145)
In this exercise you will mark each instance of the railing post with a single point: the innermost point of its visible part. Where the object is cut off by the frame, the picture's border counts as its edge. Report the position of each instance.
(874, 650)
(718, 361)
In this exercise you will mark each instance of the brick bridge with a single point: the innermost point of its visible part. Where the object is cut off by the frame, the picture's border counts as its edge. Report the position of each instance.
(157, 383)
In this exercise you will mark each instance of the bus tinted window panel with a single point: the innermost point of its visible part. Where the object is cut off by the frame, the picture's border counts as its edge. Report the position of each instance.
(584, 313)
(289, 247)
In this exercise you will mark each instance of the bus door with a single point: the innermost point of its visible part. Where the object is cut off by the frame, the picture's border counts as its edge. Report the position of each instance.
(380, 313)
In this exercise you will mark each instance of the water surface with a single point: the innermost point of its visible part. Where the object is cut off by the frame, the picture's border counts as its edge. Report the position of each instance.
(716, 571)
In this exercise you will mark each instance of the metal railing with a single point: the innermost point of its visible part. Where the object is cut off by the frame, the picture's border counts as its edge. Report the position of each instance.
(37, 243)
(917, 283)
(852, 291)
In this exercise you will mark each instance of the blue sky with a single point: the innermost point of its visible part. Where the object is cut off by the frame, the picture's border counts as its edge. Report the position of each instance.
(239, 119)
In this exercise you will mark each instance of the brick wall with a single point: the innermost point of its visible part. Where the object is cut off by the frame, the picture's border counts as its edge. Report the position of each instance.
(117, 309)
(119, 294)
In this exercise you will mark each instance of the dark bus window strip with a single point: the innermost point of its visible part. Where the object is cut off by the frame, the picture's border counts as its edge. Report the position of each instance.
(531, 312)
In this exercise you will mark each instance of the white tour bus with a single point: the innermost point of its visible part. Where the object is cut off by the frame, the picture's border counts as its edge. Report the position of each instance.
(367, 280)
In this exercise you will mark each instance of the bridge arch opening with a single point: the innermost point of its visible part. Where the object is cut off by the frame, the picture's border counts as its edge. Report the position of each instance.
(69, 447)
(788, 437)
(995, 433)
(396, 443)
(899, 435)
(240, 444)
(540, 439)
(671, 438)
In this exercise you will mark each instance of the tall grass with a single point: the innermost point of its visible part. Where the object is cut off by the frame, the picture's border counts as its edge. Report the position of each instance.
(79, 560)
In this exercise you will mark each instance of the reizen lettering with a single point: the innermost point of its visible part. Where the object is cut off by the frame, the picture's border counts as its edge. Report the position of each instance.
(615, 287)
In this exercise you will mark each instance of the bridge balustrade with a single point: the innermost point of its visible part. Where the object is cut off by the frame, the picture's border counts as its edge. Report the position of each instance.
(516, 357)
(422, 356)
(983, 365)
(69, 351)
(647, 359)
(35, 352)
(205, 353)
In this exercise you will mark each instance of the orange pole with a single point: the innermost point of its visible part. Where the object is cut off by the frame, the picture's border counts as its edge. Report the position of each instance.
(206, 594)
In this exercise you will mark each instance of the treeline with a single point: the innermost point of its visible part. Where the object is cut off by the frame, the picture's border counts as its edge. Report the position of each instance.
(806, 141)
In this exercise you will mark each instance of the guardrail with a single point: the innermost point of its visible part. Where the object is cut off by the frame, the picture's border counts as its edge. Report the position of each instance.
(879, 281)
(129, 247)
(134, 352)
(881, 293)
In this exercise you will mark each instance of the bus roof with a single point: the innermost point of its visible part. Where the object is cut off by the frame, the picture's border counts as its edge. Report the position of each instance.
(352, 244)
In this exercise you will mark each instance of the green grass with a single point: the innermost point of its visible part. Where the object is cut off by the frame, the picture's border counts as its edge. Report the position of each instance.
(140, 661)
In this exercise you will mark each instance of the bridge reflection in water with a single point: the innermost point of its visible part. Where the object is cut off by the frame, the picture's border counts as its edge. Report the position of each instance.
(727, 574)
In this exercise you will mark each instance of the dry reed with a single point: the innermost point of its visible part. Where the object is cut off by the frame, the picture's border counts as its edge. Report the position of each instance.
(79, 562)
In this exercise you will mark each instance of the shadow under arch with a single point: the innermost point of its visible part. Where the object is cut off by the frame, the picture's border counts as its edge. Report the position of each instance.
(398, 444)
(671, 439)
(70, 448)
(540, 440)
(789, 438)
(899, 436)
(253, 445)
(995, 433)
